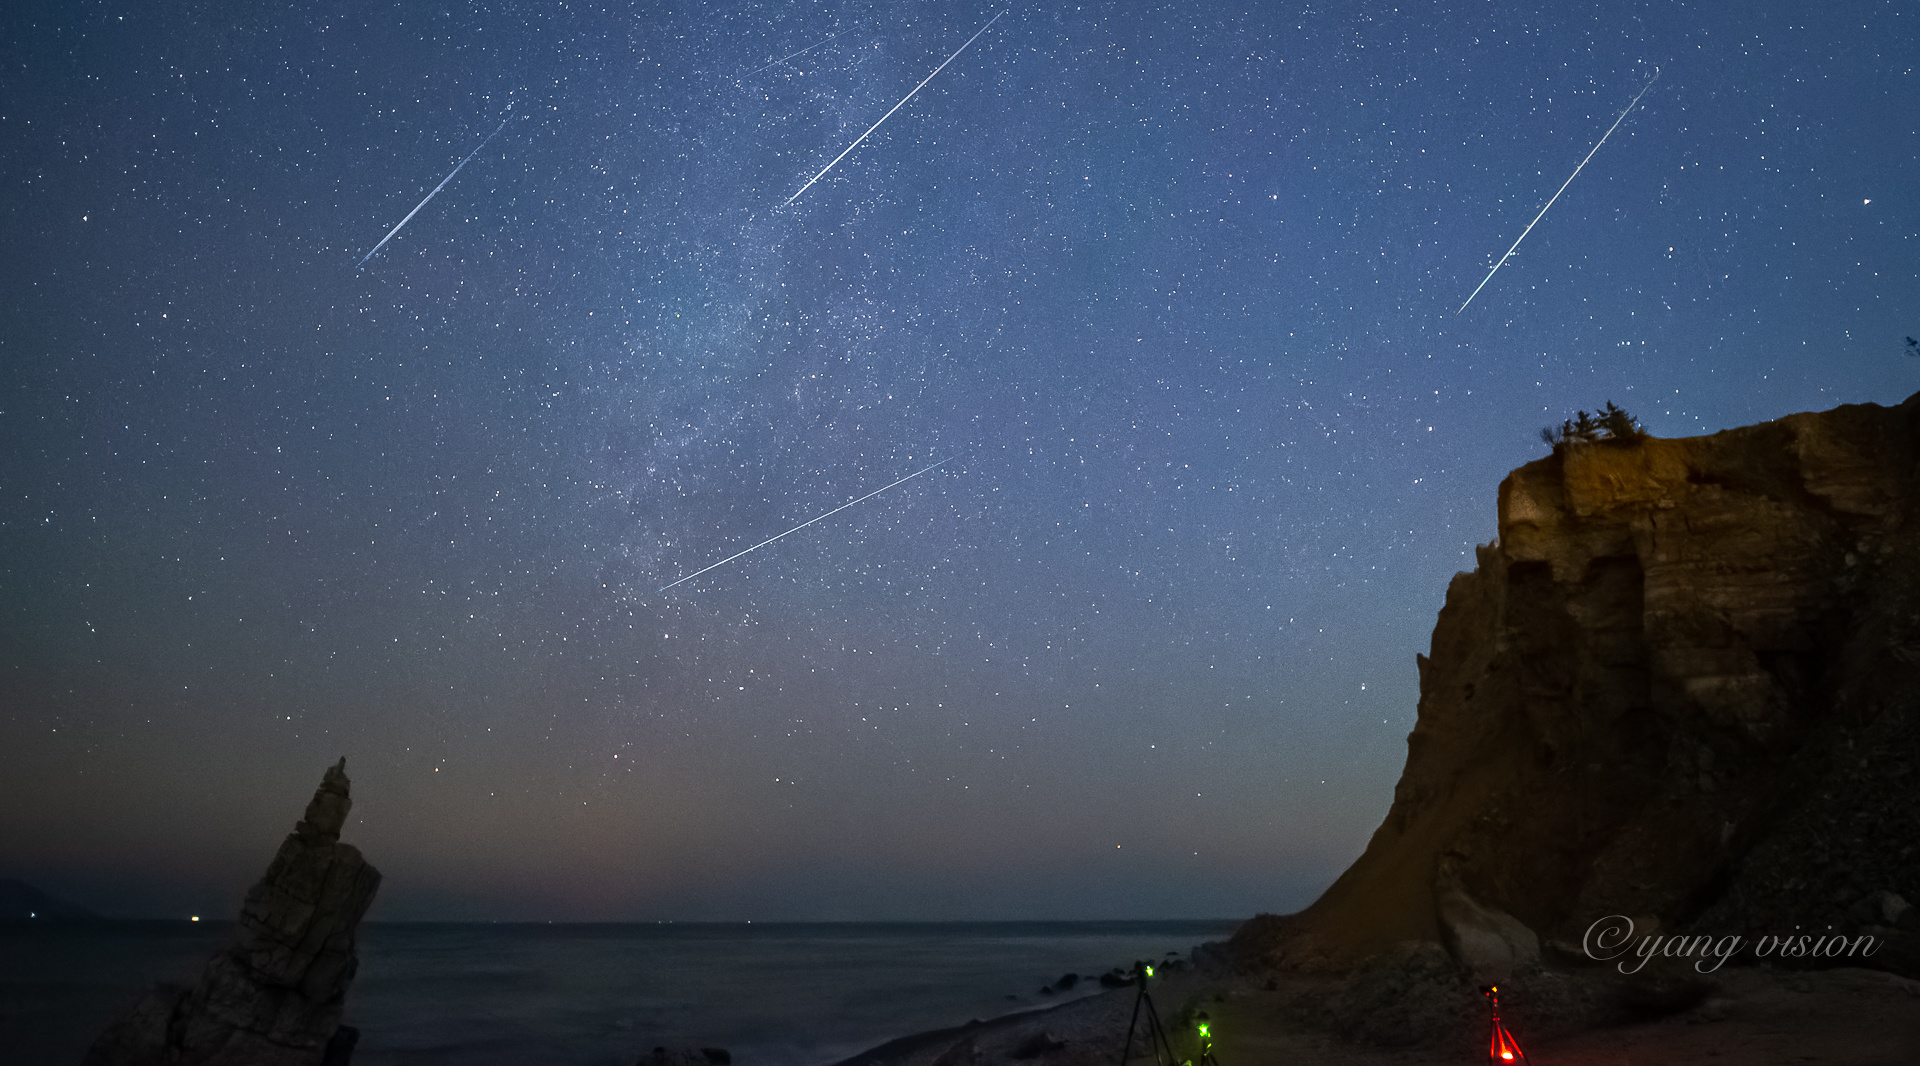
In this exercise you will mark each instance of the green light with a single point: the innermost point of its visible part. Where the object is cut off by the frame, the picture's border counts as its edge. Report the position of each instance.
(1206, 1031)
(1149, 971)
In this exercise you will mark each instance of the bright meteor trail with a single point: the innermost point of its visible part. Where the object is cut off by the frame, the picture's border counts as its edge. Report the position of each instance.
(890, 111)
(431, 195)
(811, 521)
(1563, 188)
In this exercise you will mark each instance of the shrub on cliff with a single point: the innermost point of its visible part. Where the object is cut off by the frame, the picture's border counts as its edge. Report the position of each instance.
(1607, 424)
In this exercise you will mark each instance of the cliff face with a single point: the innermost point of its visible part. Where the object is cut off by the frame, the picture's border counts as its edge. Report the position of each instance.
(1683, 685)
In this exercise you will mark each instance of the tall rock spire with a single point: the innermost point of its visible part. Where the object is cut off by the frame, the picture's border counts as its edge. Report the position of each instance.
(273, 996)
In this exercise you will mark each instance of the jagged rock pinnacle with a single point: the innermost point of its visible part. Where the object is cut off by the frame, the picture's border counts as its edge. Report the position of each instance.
(274, 995)
(327, 811)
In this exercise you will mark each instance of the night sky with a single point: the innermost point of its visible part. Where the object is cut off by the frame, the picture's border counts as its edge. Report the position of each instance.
(1173, 285)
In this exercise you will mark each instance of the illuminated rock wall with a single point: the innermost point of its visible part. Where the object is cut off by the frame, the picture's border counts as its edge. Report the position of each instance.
(1683, 685)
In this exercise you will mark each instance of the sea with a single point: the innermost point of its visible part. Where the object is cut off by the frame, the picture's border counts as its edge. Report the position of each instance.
(602, 994)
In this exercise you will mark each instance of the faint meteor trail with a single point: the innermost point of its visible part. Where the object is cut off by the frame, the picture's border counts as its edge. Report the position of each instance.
(434, 193)
(890, 111)
(789, 55)
(811, 521)
(1563, 188)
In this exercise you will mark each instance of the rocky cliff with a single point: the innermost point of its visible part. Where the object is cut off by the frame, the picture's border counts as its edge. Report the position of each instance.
(1682, 685)
(274, 995)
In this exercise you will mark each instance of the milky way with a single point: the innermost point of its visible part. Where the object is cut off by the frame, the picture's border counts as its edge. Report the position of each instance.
(1178, 283)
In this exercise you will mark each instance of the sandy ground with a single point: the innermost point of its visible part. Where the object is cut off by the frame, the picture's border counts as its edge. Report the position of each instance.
(1859, 1017)
(1756, 1018)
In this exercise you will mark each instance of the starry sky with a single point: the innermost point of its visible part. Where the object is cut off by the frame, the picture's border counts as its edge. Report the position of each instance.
(1171, 287)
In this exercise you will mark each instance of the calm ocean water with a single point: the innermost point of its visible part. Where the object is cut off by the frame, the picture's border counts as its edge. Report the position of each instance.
(600, 995)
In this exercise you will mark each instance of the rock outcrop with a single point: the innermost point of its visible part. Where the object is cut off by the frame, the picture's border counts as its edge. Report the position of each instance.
(274, 995)
(703, 1056)
(1682, 685)
(1492, 944)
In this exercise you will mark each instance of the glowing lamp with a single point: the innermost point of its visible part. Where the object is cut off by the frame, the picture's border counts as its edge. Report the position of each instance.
(1205, 1026)
(1503, 1048)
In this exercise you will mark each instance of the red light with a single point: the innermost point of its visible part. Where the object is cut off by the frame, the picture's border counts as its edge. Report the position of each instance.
(1503, 1047)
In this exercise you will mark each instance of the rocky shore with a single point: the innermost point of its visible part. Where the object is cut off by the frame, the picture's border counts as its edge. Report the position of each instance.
(1663, 790)
(1435, 1017)
(1673, 712)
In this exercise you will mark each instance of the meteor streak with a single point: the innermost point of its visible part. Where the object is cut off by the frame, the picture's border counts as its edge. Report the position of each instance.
(889, 114)
(811, 521)
(789, 55)
(434, 193)
(1563, 188)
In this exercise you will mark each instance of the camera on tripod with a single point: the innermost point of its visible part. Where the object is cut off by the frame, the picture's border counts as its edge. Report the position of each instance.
(1158, 1045)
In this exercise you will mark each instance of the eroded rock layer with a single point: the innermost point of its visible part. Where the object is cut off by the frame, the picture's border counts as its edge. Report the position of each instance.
(1682, 685)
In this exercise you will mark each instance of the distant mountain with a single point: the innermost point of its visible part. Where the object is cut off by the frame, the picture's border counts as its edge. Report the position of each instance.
(20, 902)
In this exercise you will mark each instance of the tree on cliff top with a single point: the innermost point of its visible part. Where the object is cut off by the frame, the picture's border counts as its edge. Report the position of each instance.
(1607, 424)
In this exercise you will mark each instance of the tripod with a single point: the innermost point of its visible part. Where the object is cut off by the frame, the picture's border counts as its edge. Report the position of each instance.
(1156, 1036)
(1503, 1050)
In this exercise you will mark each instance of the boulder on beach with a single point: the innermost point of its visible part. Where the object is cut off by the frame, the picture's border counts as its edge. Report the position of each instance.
(693, 1056)
(1489, 942)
